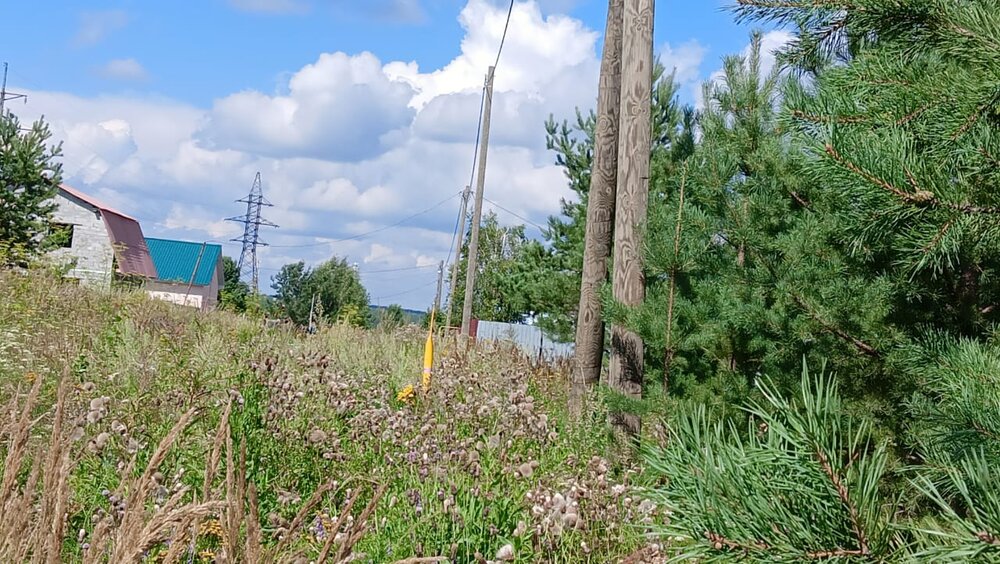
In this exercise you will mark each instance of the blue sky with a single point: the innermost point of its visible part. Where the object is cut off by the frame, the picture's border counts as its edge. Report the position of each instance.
(357, 113)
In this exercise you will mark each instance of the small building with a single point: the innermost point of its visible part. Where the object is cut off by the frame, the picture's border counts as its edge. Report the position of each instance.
(101, 242)
(188, 273)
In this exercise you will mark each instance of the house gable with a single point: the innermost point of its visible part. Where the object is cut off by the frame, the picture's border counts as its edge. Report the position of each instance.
(106, 237)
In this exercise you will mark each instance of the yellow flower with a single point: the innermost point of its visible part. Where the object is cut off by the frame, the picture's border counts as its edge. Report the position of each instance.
(211, 528)
(405, 394)
(30, 377)
(207, 555)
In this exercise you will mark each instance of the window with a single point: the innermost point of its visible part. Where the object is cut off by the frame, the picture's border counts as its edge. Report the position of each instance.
(62, 235)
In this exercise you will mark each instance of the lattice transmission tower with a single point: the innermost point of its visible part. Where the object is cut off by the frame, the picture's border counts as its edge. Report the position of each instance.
(252, 222)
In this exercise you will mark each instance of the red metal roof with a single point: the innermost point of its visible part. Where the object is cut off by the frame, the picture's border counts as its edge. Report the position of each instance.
(93, 202)
(125, 234)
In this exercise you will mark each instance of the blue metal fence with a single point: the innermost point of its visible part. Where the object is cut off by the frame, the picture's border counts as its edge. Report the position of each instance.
(530, 339)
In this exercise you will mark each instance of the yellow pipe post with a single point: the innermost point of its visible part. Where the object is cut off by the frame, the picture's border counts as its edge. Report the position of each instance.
(429, 355)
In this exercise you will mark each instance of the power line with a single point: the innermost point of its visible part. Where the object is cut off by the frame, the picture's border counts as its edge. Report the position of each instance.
(373, 231)
(397, 269)
(383, 271)
(510, 10)
(472, 176)
(410, 291)
(522, 218)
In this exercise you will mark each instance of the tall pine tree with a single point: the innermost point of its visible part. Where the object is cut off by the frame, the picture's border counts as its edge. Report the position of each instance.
(29, 179)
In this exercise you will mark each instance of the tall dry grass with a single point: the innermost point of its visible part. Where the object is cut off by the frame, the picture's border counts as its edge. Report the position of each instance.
(34, 503)
(152, 433)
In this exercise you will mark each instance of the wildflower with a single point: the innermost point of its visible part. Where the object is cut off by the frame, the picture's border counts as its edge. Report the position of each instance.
(211, 528)
(405, 394)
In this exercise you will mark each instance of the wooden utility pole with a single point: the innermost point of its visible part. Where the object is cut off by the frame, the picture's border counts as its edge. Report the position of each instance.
(459, 240)
(600, 214)
(194, 273)
(631, 200)
(437, 296)
(312, 306)
(477, 214)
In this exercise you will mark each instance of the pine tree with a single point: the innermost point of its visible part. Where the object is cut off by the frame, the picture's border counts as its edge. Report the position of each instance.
(797, 481)
(804, 479)
(861, 228)
(750, 275)
(905, 140)
(29, 180)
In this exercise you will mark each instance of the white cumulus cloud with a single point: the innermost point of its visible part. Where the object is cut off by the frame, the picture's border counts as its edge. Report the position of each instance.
(684, 60)
(338, 108)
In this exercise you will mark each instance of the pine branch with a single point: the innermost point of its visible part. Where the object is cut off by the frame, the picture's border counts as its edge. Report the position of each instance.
(990, 157)
(841, 488)
(799, 5)
(920, 197)
(972, 119)
(988, 538)
(914, 114)
(840, 120)
(719, 542)
(984, 431)
(968, 34)
(858, 343)
(937, 237)
(838, 553)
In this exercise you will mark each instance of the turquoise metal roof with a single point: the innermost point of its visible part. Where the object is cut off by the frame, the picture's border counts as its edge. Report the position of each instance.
(176, 260)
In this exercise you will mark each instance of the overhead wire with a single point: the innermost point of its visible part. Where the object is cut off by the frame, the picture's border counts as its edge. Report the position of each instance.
(397, 269)
(373, 231)
(522, 218)
(456, 234)
(410, 291)
(383, 271)
(472, 174)
(510, 11)
(479, 131)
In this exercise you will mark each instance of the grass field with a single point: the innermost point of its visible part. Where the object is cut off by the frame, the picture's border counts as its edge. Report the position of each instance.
(137, 431)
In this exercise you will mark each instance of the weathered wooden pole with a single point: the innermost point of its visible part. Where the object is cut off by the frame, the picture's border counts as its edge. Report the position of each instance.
(459, 241)
(477, 214)
(437, 296)
(626, 367)
(589, 350)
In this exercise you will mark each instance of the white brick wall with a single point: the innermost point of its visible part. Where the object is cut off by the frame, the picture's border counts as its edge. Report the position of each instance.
(91, 246)
(201, 297)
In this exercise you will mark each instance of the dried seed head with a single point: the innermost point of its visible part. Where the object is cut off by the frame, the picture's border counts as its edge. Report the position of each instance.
(506, 553)
(118, 427)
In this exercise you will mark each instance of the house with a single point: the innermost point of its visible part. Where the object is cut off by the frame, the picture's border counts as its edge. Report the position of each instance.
(101, 242)
(189, 273)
